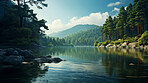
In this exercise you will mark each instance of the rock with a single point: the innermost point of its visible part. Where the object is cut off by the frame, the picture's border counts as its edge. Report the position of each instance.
(56, 60)
(2, 53)
(141, 47)
(43, 60)
(118, 46)
(102, 46)
(48, 56)
(146, 47)
(114, 46)
(109, 45)
(27, 54)
(13, 60)
(133, 45)
(124, 45)
(131, 64)
(11, 51)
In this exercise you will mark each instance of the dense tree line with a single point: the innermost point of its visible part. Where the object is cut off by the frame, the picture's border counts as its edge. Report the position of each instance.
(19, 25)
(84, 37)
(130, 22)
(52, 41)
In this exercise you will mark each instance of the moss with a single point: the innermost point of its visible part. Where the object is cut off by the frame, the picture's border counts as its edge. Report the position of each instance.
(106, 42)
(119, 41)
(143, 40)
(99, 44)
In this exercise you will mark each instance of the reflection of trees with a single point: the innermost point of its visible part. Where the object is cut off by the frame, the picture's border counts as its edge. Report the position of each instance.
(19, 74)
(118, 61)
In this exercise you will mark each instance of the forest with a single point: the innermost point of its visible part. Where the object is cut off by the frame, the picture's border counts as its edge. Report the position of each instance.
(129, 25)
(19, 24)
(86, 37)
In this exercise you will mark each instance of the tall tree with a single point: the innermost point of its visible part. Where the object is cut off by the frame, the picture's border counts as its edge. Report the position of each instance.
(122, 19)
(110, 26)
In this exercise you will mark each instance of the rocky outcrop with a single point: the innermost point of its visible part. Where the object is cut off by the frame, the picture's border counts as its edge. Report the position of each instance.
(126, 45)
(17, 56)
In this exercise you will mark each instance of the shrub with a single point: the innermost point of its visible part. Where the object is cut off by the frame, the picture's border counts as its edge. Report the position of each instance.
(143, 40)
(112, 43)
(96, 42)
(119, 41)
(106, 42)
(99, 44)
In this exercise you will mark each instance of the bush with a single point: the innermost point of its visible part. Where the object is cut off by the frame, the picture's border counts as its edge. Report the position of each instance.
(96, 42)
(119, 41)
(99, 44)
(106, 42)
(112, 43)
(143, 40)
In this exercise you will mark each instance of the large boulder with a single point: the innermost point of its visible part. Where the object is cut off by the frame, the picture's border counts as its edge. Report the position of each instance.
(11, 51)
(27, 54)
(133, 45)
(109, 45)
(56, 60)
(102, 46)
(124, 45)
(146, 47)
(114, 46)
(13, 60)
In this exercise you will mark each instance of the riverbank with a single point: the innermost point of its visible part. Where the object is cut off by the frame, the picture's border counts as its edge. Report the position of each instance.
(125, 45)
(16, 56)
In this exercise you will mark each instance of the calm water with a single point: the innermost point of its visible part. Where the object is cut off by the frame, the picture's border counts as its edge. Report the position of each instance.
(84, 65)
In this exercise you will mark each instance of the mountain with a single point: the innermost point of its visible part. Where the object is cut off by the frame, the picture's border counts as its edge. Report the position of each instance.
(72, 30)
(87, 37)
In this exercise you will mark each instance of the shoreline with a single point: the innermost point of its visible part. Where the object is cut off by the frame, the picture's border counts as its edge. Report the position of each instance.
(125, 45)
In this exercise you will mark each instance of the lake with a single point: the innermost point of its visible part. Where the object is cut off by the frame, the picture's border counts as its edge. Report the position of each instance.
(83, 65)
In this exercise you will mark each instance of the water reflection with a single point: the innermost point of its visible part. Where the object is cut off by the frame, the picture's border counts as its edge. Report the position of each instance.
(83, 65)
(20, 74)
(93, 65)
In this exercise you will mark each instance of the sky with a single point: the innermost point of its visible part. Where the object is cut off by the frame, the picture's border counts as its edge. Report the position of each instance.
(64, 14)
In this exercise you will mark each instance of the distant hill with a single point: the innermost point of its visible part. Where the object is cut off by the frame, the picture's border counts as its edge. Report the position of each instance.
(87, 37)
(72, 30)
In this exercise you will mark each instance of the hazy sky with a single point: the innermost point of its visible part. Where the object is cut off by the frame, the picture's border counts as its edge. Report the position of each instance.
(64, 14)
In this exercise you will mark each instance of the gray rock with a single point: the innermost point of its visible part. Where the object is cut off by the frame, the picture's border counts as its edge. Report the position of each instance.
(27, 54)
(43, 60)
(114, 46)
(13, 60)
(102, 46)
(146, 47)
(141, 47)
(56, 60)
(124, 45)
(11, 51)
(133, 45)
(2, 53)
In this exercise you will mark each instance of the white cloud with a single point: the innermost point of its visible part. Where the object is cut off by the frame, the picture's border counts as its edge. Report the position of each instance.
(125, 7)
(113, 4)
(93, 18)
(115, 9)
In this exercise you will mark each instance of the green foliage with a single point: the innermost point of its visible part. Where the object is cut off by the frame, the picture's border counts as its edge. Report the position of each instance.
(143, 40)
(119, 41)
(16, 16)
(25, 32)
(96, 43)
(85, 37)
(106, 42)
(128, 24)
(99, 44)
